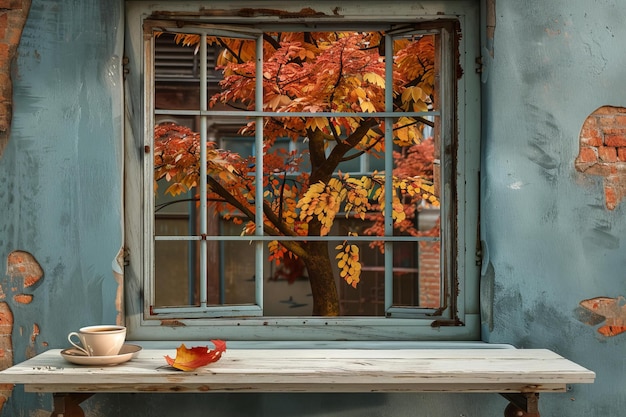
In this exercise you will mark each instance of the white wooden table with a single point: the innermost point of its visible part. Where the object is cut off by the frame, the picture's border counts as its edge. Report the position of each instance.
(519, 375)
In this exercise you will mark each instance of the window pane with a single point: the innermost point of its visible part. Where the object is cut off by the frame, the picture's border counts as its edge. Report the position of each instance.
(416, 69)
(178, 66)
(323, 176)
(238, 268)
(176, 282)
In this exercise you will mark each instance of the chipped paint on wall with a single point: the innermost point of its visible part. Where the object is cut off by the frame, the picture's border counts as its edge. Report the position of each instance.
(31, 350)
(12, 19)
(118, 275)
(23, 264)
(24, 273)
(610, 312)
(603, 151)
(6, 349)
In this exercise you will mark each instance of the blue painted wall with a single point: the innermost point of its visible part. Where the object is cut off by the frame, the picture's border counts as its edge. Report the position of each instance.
(61, 187)
(549, 240)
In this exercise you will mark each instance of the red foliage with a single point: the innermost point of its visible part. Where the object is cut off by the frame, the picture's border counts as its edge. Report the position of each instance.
(196, 357)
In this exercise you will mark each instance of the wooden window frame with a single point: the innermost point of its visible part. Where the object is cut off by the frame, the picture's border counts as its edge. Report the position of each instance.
(461, 319)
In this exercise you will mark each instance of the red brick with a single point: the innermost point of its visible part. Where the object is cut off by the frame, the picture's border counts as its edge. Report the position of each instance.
(614, 129)
(587, 155)
(589, 134)
(615, 140)
(4, 54)
(10, 4)
(610, 197)
(607, 154)
(4, 18)
(6, 317)
(607, 121)
(621, 154)
(6, 346)
(5, 108)
(592, 138)
(620, 119)
(14, 28)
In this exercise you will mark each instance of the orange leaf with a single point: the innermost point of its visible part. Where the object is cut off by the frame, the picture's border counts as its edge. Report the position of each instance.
(190, 359)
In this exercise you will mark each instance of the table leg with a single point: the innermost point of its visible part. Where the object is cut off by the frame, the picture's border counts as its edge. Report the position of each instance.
(68, 405)
(522, 405)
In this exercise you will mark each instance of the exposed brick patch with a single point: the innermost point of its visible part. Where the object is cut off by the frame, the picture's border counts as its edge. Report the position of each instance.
(31, 350)
(610, 312)
(23, 298)
(603, 151)
(6, 347)
(13, 4)
(621, 154)
(4, 23)
(24, 272)
(607, 154)
(21, 264)
(12, 20)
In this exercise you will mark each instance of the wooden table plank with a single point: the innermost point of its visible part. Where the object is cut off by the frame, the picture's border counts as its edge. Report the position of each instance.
(313, 370)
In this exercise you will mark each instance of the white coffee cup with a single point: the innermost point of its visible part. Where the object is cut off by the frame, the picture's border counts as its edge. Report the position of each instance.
(101, 340)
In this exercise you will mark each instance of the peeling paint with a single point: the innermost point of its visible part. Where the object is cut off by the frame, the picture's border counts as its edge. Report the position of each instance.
(6, 349)
(24, 272)
(603, 151)
(248, 12)
(31, 350)
(21, 264)
(611, 310)
(172, 323)
(23, 298)
(118, 275)
(16, 13)
(517, 185)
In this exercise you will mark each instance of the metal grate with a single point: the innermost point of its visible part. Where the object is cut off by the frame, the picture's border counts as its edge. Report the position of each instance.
(177, 63)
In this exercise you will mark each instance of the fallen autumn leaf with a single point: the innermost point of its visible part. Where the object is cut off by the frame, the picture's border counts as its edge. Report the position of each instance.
(196, 357)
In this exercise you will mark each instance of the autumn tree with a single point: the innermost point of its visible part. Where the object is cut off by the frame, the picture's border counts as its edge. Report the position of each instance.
(314, 73)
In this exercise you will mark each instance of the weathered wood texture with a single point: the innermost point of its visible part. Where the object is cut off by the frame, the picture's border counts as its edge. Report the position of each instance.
(313, 370)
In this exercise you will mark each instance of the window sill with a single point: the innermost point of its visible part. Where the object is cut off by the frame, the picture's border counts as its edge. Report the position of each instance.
(316, 344)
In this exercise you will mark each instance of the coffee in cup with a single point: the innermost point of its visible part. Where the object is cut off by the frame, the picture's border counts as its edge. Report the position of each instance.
(101, 340)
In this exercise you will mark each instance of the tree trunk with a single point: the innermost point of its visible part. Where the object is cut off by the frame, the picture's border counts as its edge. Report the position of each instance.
(322, 279)
(317, 259)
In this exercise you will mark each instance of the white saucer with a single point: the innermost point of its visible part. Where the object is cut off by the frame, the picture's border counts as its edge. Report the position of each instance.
(79, 357)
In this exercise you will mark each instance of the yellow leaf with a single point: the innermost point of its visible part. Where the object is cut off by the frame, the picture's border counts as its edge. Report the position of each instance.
(367, 106)
(176, 189)
(416, 93)
(420, 106)
(374, 78)
(359, 92)
(319, 123)
(406, 94)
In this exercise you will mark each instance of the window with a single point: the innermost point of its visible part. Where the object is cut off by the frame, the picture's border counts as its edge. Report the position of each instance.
(293, 105)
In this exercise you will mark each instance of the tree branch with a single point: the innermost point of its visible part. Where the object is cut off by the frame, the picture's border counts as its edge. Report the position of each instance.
(281, 229)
